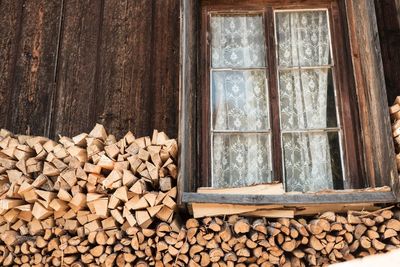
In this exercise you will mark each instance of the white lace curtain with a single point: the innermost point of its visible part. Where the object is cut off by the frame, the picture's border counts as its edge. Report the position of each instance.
(239, 102)
(303, 41)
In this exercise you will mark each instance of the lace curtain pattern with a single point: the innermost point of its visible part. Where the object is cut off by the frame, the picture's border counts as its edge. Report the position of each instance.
(241, 159)
(240, 127)
(239, 102)
(303, 41)
(303, 38)
(237, 41)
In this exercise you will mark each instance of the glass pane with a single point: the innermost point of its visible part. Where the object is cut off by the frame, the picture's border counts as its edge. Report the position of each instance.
(312, 161)
(241, 160)
(303, 38)
(237, 41)
(307, 99)
(239, 100)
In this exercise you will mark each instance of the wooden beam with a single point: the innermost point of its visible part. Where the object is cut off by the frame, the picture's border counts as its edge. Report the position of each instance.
(291, 199)
(398, 10)
(371, 91)
(187, 97)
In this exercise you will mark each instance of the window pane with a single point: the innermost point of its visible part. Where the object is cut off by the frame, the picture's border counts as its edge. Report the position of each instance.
(312, 161)
(307, 99)
(303, 38)
(237, 41)
(241, 160)
(239, 100)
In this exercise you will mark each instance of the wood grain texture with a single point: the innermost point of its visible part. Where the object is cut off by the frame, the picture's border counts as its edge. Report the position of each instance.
(10, 22)
(291, 199)
(187, 136)
(398, 10)
(138, 68)
(371, 91)
(69, 64)
(74, 99)
(124, 69)
(165, 66)
(32, 81)
(388, 17)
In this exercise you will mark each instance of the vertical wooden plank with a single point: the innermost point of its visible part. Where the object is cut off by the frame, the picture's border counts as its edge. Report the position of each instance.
(139, 67)
(10, 25)
(389, 34)
(398, 10)
(32, 81)
(76, 72)
(371, 91)
(165, 72)
(124, 95)
(187, 97)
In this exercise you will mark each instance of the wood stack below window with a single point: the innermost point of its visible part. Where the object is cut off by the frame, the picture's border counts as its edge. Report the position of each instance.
(212, 241)
(91, 200)
(395, 114)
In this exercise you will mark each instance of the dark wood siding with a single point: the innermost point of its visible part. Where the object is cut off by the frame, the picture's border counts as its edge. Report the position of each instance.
(388, 16)
(65, 65)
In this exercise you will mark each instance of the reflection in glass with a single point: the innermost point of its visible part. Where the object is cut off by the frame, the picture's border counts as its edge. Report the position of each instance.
(312, 161)
(307, 99)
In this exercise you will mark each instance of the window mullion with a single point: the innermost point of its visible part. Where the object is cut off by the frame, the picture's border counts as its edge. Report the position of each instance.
(273, 94)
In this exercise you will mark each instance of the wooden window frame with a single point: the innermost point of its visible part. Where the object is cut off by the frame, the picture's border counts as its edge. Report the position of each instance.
(348, 118)
(371, 130)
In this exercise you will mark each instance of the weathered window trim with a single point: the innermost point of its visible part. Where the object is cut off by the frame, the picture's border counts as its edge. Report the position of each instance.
(292, 199)
(378, 150)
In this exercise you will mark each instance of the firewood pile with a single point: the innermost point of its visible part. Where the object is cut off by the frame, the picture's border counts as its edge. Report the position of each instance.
(91, 200)
(395, 114)
(328, 238)
(80, 195)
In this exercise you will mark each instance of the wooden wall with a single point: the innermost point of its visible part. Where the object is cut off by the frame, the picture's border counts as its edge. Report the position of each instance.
(67, 64)
(388, 16)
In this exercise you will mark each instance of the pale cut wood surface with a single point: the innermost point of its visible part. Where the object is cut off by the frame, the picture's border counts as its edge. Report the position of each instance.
(262, 189)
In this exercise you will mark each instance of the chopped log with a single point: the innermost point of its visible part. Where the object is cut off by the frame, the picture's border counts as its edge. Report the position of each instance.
(241, 226)
(113, 202)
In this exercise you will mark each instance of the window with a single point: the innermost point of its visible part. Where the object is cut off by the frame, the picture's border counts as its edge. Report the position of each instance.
(283, 91)
(271, 95)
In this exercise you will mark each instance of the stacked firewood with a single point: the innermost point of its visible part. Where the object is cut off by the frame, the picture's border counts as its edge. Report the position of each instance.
(395, 114)
(133, 246)
(85, 185)
(212, 241)
(326, 239)
(92, 200)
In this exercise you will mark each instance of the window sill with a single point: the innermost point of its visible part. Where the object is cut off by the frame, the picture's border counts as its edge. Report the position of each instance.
(333, 197)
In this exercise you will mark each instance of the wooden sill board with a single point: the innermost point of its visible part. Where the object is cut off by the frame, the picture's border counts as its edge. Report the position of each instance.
(261, 189)
(274, 211)
(292, 199)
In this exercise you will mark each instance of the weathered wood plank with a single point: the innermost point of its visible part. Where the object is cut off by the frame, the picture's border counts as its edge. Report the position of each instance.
(33, 77)
(187, 94)
(387, 12)
(371, 91)
(10, 26)
(139, 67)
(114, 62)
(165, 72)
(124, 96)
(291, 199)
(76, 72)
(398, 10)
